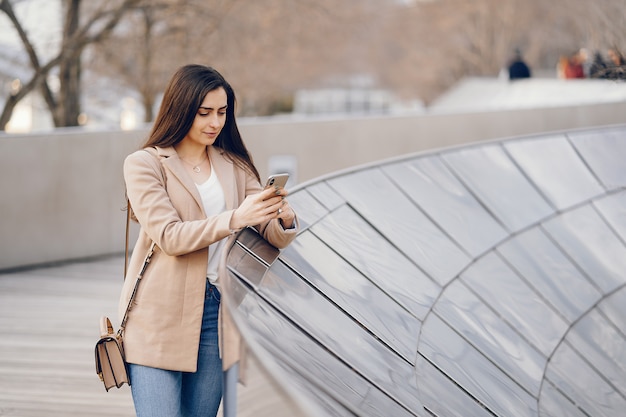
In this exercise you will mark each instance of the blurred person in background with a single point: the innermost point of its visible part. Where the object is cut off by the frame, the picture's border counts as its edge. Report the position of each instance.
(616, 57)
(518, 68)
(598, 66)
(570, 67)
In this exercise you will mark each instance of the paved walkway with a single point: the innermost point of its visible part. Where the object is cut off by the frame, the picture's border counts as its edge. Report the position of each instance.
(48, 328)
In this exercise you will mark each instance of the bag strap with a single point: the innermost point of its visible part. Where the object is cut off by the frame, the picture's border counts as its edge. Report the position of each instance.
(127, 236)
(146, 261)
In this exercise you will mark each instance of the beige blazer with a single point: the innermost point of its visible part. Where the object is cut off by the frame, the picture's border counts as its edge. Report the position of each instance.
(163, 328)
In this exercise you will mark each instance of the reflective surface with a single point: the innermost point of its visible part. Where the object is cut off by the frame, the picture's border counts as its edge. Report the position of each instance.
(487, 280)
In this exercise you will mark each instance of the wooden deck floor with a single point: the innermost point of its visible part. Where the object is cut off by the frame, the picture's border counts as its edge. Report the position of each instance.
(48, 328)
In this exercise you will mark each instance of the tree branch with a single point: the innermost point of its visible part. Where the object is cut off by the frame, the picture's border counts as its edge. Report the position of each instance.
(7, 8)
(70, 50)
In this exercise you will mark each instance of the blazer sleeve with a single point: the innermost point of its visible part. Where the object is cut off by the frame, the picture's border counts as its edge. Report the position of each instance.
(156, 213)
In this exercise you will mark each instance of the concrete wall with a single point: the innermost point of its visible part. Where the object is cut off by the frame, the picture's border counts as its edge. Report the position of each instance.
(63, 192)
(62, 196)
(326, 146)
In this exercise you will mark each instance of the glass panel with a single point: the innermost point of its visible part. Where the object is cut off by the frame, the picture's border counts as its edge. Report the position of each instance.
(379, 261)
(353, 293)
(605, 153)
(603, 346)
(234, 287)
(278, 343)
(554, 404)
(493, 337)
(614, 308)
(499, 184)
(525, 310)
(323, 376)
(247, 266)
(400, 221)
(536, 258)
(555, 167)
(307, 208)
(326, 195)
(592, 245)
(573, 376)
(333, 329)
(613, 209)
(433, 187)
(443, 397)
(253, 242)
(472, 371)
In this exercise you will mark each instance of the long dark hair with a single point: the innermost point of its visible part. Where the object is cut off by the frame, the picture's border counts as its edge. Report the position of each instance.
(182, 99)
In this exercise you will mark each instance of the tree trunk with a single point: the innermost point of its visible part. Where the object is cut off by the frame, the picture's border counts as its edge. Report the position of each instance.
(7, 111)
(147, 93)
(68, 108)
(148, 107)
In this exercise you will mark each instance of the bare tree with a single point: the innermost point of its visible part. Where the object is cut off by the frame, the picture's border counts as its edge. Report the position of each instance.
(157, 38)
(270, 48)
(265, 48)
(65, 107)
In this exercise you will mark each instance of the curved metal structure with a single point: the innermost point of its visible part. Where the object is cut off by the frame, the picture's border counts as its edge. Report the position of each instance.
(484, 280)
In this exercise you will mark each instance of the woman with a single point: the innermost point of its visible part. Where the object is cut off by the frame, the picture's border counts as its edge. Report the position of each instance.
(192, 185)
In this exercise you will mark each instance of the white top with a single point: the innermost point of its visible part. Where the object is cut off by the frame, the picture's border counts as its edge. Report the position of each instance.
(214, 203)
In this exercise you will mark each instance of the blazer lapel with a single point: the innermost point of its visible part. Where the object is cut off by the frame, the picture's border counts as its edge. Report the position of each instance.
(170, 160)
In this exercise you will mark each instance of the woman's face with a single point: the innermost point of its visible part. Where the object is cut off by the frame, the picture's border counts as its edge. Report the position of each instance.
(210, 118)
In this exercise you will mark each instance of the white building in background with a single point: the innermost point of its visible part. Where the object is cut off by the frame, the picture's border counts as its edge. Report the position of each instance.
(356, 95)
(475, 94)
(359, 101)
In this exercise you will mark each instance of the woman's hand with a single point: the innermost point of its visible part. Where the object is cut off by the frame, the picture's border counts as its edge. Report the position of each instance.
(258, 208)
(285, 213)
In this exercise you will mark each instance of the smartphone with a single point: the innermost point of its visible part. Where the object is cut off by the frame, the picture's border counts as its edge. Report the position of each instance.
(277, 180)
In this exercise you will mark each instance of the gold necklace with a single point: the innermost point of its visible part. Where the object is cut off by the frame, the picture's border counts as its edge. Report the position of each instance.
(194, 168)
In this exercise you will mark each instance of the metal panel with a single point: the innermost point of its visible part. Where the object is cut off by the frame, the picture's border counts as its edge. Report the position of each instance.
(613, 210)
(604, 150)
(614, 308)
(556, 169)
(339, 333)
(310, 210)
(571, 374)
(397, 218)
(326, 195)
(602, 346)
(481, 281)
(443, 347)
(554, 404)
(444, 397)
(551, 273)
(444, 199)
(354, 295)
(485, 330)
(380, 261)
(593, 246)
(516, 302)
(498, 183)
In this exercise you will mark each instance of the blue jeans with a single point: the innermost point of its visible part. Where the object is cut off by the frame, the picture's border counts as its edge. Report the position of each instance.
(162, 393)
